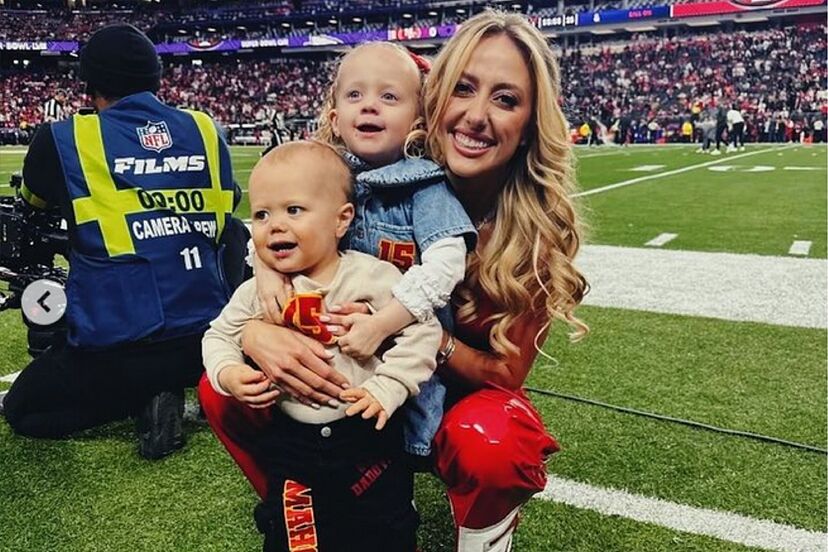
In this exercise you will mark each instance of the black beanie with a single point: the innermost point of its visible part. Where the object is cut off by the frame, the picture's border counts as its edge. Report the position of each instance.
(120, 60)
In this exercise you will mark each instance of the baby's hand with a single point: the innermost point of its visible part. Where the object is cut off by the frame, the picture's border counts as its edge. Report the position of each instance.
(248, 385)
(364, 402)
(363, 338)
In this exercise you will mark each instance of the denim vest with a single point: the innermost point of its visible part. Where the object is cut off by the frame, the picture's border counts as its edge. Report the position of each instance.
(401, 210)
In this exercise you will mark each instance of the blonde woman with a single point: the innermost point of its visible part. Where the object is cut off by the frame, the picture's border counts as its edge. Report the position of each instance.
(494, 122)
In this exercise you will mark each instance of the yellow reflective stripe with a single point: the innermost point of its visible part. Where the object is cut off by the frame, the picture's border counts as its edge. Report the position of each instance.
(32, 198)
(217, 200)
(105, 204)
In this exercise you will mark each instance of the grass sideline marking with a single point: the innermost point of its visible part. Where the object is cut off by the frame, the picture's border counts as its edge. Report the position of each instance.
(785, 291)
(725, 526)
(647, 168)
(9, 378)
(669, 173)
(800, 247)
(661, 239)
(604, 154)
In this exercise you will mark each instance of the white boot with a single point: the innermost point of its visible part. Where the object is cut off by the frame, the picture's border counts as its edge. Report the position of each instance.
(495, 538)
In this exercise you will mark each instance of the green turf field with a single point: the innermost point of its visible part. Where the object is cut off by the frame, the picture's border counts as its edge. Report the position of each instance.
(93, 493)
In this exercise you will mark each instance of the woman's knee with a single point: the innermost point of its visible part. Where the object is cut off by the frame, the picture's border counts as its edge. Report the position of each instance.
(208, 397)
(494, 438)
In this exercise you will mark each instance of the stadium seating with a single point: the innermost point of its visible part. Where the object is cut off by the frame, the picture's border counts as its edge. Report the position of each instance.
(771, 73)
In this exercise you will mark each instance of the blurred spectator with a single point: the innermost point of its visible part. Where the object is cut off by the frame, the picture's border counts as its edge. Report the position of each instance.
(735, 129)
(53, 108)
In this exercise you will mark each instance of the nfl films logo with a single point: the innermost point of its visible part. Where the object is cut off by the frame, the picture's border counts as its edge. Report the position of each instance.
(155, 136)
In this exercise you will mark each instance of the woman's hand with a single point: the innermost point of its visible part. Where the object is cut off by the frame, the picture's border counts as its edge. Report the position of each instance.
(248, 385)
(272, 288)
(298, 364)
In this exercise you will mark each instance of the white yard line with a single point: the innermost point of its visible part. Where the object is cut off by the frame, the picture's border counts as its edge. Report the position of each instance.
(632, 181)
(726, 526)
(800, 247)
(785, 291)
(646, 168)
(602, 154)
(661, 239)
(9, 378)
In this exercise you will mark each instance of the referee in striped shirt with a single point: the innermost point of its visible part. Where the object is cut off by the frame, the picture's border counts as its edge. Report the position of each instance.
(53, 108)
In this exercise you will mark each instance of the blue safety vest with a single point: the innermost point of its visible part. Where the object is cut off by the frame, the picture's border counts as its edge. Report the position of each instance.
(151, 190)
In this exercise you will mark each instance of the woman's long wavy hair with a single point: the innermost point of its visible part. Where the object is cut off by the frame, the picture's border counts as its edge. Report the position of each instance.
(413, 146)
(528, 262)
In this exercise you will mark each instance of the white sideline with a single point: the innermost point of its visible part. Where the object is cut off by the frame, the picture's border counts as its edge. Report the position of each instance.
(670, 173)
(726, 526)
(787, 291)
(9, 378)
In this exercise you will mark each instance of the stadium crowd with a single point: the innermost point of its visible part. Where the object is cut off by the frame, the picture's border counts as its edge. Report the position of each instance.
(259, 19)
(776, 77)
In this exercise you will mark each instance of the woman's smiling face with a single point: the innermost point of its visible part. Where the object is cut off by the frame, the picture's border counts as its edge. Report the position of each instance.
(488, 113)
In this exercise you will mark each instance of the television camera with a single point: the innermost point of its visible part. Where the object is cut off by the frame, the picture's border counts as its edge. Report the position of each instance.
(29, 241)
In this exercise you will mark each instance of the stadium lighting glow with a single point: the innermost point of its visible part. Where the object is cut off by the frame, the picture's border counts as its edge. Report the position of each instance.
(708, 23)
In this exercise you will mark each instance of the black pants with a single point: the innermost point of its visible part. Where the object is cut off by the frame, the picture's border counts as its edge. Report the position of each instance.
(67, 389)
(342, 487)
(738, 138)
(720, 130)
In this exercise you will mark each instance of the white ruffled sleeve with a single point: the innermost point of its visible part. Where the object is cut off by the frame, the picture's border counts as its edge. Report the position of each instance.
(428, 286)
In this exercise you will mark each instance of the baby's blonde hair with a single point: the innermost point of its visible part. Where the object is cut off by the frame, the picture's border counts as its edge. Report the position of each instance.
(413, 146)
(320, 152)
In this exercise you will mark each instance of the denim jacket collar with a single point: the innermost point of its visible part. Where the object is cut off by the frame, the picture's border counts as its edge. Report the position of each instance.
(404, 172)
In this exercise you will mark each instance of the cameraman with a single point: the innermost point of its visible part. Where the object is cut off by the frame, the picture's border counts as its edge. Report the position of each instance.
(147, 191)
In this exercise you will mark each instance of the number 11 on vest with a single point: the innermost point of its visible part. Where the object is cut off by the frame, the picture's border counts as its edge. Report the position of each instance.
(192, 259)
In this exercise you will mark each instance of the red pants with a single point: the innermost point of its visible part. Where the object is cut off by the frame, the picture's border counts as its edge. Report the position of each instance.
(491, 450)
